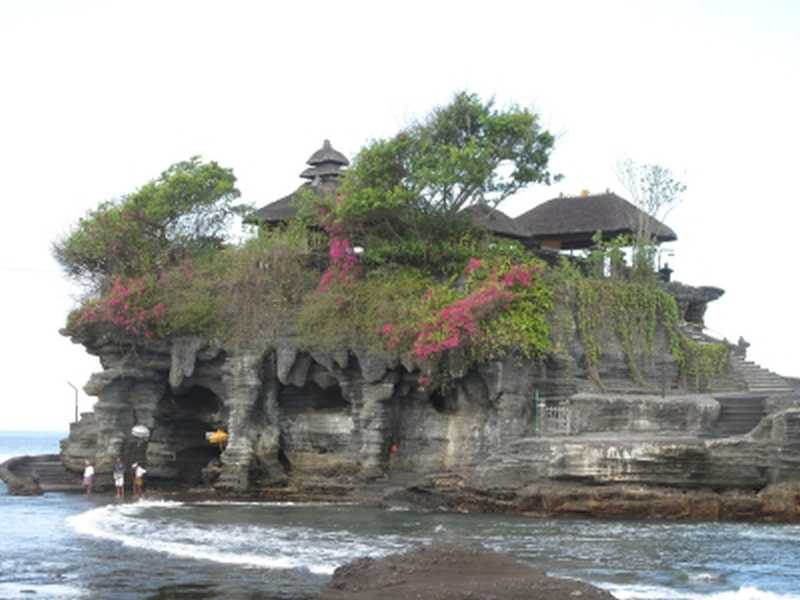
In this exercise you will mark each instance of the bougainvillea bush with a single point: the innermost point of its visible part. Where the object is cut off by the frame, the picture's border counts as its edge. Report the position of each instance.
(131, 305)
(488, 310)
(244, 295)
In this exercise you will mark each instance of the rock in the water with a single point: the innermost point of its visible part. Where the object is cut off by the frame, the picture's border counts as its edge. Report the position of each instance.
(446, 572)
(19, 484)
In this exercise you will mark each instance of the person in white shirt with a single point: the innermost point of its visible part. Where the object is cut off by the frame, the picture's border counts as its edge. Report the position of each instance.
(88, 478)
(138, 479)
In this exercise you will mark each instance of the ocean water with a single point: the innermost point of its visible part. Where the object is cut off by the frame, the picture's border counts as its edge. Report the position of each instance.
(68, 546)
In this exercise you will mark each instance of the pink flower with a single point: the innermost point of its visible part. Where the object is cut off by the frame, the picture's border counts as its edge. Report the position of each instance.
(473, 265)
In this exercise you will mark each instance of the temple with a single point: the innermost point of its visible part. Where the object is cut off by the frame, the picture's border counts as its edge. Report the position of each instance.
(563, 223)
(325, 167)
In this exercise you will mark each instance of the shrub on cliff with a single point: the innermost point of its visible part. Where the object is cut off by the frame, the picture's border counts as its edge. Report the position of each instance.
(185, 212)
(245, 295)
(402, 196)
(429, 285)
(262, 284)
(496, 305)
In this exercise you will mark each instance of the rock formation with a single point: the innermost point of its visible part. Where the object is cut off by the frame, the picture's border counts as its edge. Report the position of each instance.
(446, 572)
(529, 436)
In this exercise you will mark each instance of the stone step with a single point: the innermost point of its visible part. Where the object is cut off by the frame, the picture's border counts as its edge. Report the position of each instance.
(51, 473)
(759, 379)
(770, 388)
(739, 414)
(761, 375)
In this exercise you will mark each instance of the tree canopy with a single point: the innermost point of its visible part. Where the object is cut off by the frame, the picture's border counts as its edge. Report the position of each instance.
(464, 153)
(185, 211)
(653, 188)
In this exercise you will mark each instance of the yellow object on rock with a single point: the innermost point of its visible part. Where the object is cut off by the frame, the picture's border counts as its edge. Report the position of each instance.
(218, 437)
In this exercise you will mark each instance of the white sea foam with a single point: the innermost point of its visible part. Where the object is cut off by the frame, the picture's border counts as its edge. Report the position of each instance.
(704, 577)
(256, 546)
(647, 592)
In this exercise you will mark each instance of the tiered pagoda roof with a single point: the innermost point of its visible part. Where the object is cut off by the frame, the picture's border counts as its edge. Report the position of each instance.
(325, 168)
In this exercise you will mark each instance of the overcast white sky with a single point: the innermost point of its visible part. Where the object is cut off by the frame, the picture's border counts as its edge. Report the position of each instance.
(98, 97)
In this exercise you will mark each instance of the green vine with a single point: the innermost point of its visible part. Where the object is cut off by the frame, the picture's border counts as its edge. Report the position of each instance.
(632, 313)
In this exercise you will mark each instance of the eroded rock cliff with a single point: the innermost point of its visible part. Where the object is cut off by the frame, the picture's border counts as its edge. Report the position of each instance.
(529, 436)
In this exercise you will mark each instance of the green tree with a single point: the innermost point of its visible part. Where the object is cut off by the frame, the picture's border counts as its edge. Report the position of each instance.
(463, 153)
(184, 212)
(655, 190)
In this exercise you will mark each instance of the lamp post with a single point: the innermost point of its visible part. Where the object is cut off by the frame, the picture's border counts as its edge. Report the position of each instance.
(76, 399)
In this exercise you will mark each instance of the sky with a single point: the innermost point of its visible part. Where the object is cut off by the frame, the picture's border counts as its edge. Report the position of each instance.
(98, 97)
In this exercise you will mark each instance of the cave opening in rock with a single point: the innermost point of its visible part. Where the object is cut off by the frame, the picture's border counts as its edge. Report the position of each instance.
(438, 401)
(187, 417)
(312, 397)
(315, 421)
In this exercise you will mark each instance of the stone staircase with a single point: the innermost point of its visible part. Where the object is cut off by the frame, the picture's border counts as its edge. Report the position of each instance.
(30, 475)
(752, 376)
(739, 413)
(53, 476)
(758, 379)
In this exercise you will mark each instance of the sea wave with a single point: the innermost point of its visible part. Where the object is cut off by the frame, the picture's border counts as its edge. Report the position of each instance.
(647, 592)
(268, 504)
(771, 534)
(155, 526)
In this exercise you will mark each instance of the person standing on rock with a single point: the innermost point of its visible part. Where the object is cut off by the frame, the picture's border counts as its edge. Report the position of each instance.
(138, 479)
(88, 478)
(119, 477)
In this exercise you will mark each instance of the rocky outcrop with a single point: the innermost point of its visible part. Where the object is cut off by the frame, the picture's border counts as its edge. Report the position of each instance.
(693, 301)
(17, 476)
(447, 572)
(505, 435)
(34, 475)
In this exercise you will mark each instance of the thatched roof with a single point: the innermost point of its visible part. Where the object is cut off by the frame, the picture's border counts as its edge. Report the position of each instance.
(283, 209)
(323, 174)
(493, 220)
(327, 154)
(277, 212)
(323, 171)
(575, 219)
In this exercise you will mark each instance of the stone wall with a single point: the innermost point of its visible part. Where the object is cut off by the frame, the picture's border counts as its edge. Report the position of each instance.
(689, 414)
